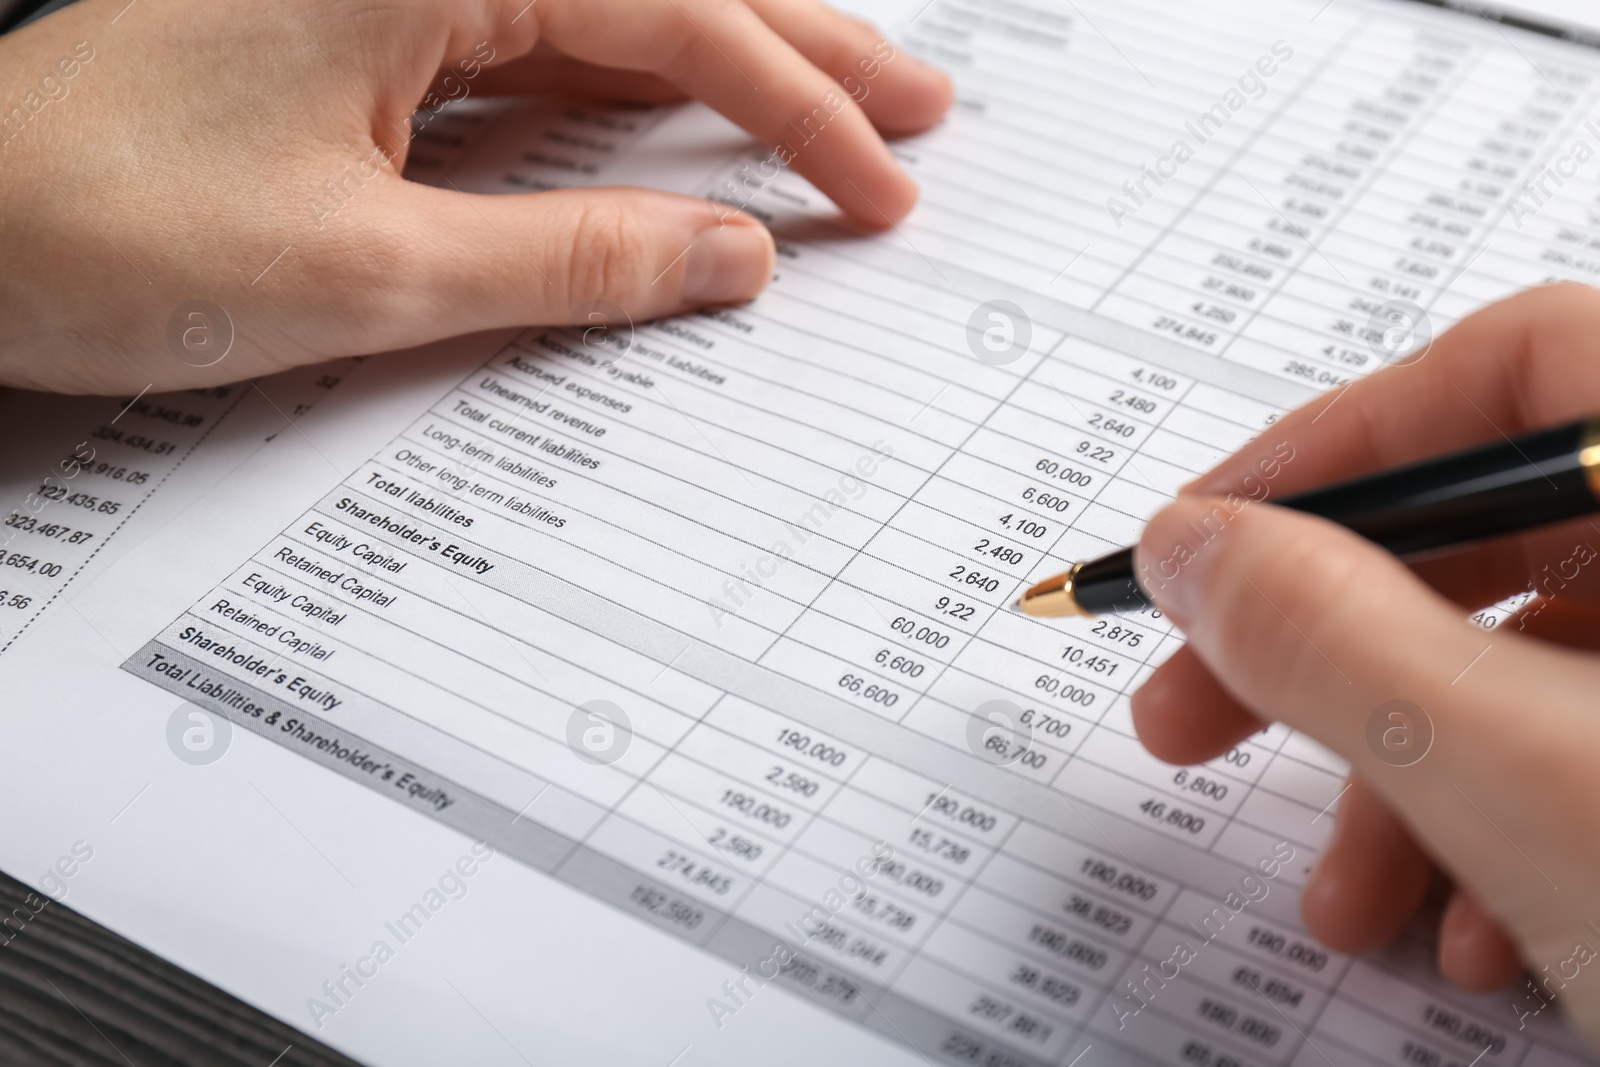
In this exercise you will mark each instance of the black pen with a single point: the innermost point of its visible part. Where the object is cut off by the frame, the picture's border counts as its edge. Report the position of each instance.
(1517, 484)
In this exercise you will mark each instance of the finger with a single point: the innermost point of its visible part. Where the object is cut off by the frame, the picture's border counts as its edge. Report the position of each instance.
(1371, 877)
(1475, 952)
(723, 53)
(547, 71)
(899, 92)
(469, 263)
(1182, 715)
(1474, 738)
(1517, 365)
(1303, 621)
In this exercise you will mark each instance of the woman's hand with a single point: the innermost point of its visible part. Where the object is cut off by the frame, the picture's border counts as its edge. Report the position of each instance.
(176, 161)
(1291, 618)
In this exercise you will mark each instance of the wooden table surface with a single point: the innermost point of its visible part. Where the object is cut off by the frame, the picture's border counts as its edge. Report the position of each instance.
(73, 992)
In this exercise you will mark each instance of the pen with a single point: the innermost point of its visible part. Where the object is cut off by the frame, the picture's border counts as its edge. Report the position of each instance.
(1518, 484)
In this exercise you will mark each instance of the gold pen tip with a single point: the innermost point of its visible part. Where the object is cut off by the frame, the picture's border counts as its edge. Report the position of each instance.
(1051, 598)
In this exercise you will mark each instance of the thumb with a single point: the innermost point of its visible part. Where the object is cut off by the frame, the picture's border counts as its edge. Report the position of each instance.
(486, 262)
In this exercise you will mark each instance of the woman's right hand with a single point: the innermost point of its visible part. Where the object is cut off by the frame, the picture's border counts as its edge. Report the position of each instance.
(1292, 618)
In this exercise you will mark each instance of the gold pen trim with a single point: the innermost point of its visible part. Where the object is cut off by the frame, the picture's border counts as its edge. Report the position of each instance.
(1052, 598)
(1589, 456)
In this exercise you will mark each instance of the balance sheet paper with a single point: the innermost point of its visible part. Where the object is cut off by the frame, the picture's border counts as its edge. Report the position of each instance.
(652, 695)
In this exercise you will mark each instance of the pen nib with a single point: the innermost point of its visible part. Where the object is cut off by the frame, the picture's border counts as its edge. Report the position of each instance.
(1051, 598)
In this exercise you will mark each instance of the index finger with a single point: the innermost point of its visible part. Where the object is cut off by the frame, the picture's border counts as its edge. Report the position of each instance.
(1519, 365)
(723, 53)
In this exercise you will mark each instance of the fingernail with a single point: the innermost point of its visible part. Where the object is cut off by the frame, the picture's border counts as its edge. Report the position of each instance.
(727, 263)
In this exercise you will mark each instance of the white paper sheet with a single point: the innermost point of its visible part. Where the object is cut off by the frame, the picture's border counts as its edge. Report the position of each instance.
(704, 634)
